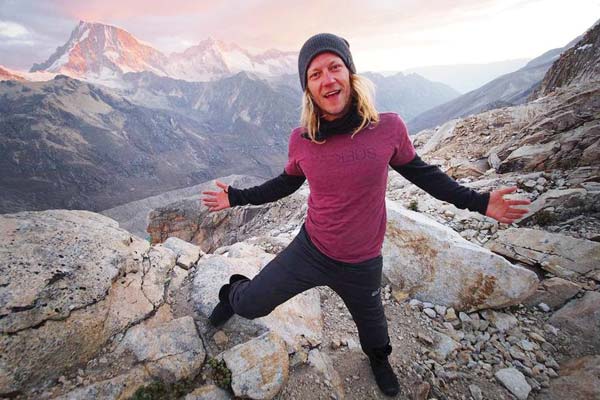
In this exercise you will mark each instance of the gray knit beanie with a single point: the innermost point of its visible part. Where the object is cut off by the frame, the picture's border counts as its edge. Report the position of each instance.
(321, 43)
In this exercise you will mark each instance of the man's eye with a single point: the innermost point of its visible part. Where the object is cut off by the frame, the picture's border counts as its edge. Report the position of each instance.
(336, 67)
(313, 75)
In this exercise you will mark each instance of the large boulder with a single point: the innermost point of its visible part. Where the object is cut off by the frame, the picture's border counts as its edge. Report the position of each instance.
(69, 281)
(553, 251)
(435, 264)
(580, 378)
(259, 367)
(580, 318)
(298, 320)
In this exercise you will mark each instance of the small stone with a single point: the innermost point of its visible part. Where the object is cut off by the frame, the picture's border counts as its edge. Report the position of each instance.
(422, 391)
(441, 310)
(414, 303)
(427, 305)
(544, 307)
(537, 337)
(430, 312)
(476, 392)
(399, 295)
(516, 354)
(551, 373)
(450, 314)
(526, 345)
(515, 382)
(220, 338)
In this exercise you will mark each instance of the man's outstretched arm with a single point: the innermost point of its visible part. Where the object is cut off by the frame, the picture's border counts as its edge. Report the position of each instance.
(435, 182)
(272, 190)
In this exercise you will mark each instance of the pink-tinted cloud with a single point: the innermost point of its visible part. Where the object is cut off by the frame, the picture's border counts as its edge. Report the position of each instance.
(107, 10)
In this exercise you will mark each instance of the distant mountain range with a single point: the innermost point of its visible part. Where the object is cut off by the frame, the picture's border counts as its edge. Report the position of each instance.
(467, 77)
(507, 90)
(102, 53)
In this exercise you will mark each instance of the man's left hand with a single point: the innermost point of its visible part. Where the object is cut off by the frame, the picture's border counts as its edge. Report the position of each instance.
(502, 209)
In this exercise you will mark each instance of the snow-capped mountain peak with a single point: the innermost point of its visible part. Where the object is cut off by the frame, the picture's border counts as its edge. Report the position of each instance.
(102, 53)
(98, 49)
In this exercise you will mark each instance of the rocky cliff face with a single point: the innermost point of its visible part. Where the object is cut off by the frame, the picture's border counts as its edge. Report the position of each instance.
(580, 63)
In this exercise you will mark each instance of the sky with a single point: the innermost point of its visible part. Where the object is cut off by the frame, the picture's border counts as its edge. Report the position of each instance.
(384, 35)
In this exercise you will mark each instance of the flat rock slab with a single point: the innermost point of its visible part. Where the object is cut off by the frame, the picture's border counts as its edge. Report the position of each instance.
(434, 263)
(549, 250)
(259, 367)
(515, 382)
(553, 292)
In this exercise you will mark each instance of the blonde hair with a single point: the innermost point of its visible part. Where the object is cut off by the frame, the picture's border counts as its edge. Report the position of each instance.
(362, 93)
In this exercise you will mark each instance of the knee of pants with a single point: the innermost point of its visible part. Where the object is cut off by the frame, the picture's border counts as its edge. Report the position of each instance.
(251, 311)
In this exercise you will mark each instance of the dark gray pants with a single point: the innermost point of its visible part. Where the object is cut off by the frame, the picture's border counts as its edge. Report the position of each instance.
(301, 266)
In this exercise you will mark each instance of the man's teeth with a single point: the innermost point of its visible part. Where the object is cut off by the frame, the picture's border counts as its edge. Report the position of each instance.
(332, 93)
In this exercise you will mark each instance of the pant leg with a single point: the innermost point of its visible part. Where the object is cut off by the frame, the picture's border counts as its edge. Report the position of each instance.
(359, 287)
(291, 272)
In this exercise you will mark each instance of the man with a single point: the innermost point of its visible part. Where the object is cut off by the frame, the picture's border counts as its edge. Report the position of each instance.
(343, 149)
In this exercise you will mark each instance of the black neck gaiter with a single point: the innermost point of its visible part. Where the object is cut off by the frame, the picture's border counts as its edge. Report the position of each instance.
(346, 124)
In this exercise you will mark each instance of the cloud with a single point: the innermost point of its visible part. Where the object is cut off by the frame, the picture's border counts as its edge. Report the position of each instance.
(12, 30)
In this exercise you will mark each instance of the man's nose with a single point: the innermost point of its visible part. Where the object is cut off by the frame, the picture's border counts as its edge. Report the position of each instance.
(328, 77)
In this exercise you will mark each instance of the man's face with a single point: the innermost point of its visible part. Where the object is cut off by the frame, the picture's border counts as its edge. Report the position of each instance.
(328, 82)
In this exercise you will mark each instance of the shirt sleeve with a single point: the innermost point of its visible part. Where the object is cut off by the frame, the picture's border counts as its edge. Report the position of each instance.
(272, 190)
(404, 151)
(438, 184)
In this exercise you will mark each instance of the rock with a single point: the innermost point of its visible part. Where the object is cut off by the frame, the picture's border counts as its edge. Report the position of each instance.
(580, 318)
(441, 310)
(169, 352)
(322, 363)
(421, 391)
(399, 295)
(554, 292)
(430, 312)
(296, 320)
(569, 199)
(435, 264)
(544, 307)
(259, 367)
(514, 381)
(580, 378)
(69, 281)
(528, 157)
(187, 253)
(444, 345)
(501, 321)
(208, 392)
(475, 392)
(220, 338)
(442, 133)
(120, 387)
(450, 314)
(533, 246)
(414, 303)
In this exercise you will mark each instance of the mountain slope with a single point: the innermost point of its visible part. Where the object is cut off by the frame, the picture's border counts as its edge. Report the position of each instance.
(510, 89)
(70, 144)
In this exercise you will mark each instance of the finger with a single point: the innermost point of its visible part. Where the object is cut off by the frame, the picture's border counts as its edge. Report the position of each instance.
(210, 203)
(517, 202)
(221, 185)
(506, 190)
(513, 216)
(211, 193)
(517, 210)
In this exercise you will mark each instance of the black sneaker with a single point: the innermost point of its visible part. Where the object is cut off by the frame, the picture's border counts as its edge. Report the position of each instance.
(384, 373)
(223, 310)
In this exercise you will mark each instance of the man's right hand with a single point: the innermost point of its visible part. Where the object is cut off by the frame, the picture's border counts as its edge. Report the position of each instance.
(216, 201)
